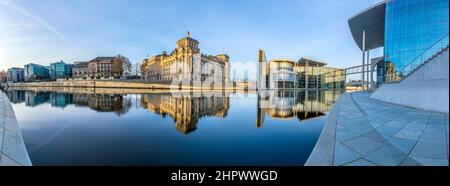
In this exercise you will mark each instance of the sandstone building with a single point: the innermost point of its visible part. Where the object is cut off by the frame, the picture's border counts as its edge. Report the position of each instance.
(186, 62)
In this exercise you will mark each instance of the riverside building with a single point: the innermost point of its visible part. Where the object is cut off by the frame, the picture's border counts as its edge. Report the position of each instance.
(15, 75)
(186, 62)
(60, 70)
(35, 72)
(411, 32)
(302, 74)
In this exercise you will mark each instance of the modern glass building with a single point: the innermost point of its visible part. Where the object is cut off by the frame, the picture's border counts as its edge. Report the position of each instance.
(411, 32)
(16, 75)
(36, 72)
(412, 27)
(60, 70)
(303, 74)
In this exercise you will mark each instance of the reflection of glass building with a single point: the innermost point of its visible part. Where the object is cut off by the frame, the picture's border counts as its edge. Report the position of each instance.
(186, 110)
(60, 99)
(301, 105)
(116, 103)
(16, 96)
(411, 32)
(36, 98)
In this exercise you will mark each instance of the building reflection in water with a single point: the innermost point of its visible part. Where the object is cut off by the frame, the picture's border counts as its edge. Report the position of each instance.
(301, 105)
(99, 102)
(186, 110)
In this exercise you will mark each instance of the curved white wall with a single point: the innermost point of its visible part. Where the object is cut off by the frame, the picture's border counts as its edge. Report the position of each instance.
(426, 88)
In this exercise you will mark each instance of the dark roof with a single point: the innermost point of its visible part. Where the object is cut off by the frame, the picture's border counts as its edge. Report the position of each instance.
(80, 64)
(310, 62)
(373, 21)
(102, 58)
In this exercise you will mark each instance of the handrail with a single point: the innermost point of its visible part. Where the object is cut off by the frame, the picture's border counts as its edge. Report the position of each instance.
(421, 58)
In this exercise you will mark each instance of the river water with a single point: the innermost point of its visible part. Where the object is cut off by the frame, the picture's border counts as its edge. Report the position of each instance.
(157, 127)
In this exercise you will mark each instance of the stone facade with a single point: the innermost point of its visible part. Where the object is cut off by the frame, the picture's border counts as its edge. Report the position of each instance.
(186, 62)
(105, 67)
(79, 70)
(100, 67)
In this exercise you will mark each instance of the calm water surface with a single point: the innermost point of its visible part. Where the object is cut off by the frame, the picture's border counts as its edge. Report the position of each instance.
(111, 127)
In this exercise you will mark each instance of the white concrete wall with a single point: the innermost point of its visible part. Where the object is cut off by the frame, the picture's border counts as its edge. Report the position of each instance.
(426, 88)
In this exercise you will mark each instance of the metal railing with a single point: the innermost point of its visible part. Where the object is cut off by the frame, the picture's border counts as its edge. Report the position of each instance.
(423, 57)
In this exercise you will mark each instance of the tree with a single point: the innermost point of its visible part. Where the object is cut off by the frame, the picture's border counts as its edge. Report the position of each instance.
(126, 65)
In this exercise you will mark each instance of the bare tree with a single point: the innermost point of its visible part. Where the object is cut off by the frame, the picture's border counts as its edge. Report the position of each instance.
(126, 65)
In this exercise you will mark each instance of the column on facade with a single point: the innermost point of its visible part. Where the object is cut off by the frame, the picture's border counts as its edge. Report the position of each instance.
(363, 56)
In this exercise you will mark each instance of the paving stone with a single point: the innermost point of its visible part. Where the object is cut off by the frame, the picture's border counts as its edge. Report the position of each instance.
(388, 155)
(386, 130)
(411, 131)
(362, 129)
(1, 139)
(437, 122)
(344, 155)
(6, 161)
(360, 162)
(344, 134)
(376, 124)
(377, 136)
(429, 150)
(363, 145)
(13, 147)
(410, 162)
(11, 125)
(431, 162)
(351, 123)
(404, 145)
(2, 122)
(434, 134)
(397, 124)
(438, 117)
(388, 134)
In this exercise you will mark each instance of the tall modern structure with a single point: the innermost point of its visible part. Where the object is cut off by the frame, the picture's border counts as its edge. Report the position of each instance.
(15, 75)
(36, 72)
(302, 74)
(60, 70)
(411, 27)
(410, 32)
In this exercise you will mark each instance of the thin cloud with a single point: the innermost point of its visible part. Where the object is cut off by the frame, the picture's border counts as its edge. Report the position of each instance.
(27, 13)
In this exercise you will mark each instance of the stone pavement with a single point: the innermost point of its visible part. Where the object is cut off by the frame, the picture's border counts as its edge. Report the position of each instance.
(12, 147)
(361, 131)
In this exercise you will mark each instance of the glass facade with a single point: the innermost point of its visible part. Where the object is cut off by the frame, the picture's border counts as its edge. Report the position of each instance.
(412, 27)
(60, 70)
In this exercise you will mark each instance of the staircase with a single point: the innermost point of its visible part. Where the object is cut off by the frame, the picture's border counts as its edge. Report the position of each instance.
(425, 62)
(426, 56)
(424, 87)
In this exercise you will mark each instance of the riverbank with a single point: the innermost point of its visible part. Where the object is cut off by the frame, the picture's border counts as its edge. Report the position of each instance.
(12, 147)
(364, 131)
(118, 84)
(86, 90)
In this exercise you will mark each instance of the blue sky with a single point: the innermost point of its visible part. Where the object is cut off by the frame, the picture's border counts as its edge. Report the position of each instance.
(46, 31)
